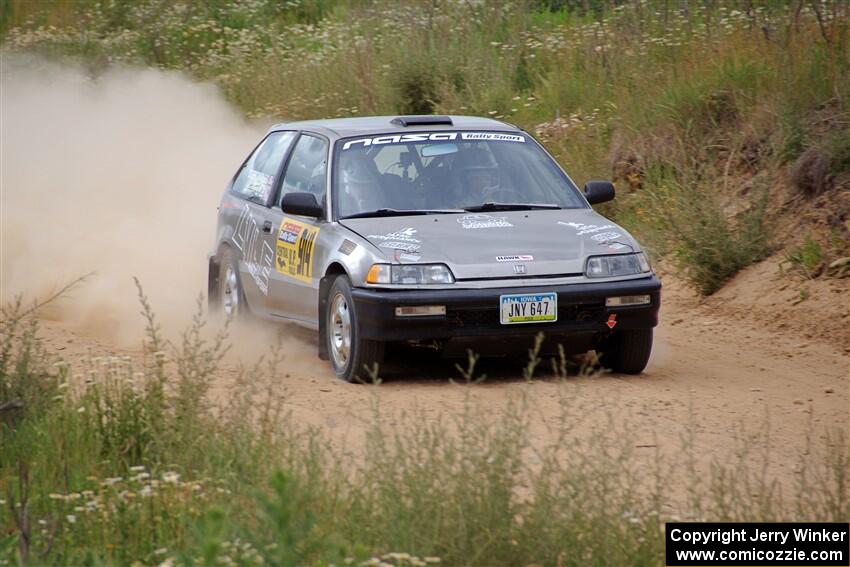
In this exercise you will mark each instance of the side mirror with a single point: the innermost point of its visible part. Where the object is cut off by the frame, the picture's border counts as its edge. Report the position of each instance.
(304, 204)
(596, 191)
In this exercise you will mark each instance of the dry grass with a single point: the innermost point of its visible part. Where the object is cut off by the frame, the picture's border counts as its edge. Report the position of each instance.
(111, 463)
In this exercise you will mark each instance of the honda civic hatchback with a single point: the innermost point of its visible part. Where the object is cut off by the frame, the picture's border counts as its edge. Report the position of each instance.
(428, 230)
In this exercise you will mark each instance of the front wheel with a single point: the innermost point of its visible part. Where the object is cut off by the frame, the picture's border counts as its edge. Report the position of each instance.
(627, 352)
(352, 358)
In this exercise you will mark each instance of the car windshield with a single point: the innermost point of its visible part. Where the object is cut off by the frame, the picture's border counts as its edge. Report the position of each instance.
(437, 172)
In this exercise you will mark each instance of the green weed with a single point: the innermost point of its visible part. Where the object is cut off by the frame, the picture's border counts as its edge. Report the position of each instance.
(806, 259)
(110, 471)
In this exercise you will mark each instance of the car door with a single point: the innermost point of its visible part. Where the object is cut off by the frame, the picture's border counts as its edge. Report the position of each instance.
(295, 282)
(252, 220)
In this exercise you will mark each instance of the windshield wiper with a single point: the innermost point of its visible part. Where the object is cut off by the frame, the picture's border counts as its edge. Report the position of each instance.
(510, 207)
(401, 213)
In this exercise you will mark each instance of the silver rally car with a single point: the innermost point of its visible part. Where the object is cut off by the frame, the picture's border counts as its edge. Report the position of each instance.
(431, 231)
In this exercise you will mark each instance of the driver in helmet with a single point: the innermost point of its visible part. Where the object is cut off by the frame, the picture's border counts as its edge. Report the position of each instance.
(478, 176)
(360, 181)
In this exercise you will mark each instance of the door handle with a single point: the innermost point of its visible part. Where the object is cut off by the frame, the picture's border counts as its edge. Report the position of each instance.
(267, 226)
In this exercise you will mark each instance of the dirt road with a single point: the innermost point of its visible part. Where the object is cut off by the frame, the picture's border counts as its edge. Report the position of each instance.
(714, 372)
(765, 347)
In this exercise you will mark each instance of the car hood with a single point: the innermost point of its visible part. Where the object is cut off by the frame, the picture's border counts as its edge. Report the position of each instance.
(491, 245)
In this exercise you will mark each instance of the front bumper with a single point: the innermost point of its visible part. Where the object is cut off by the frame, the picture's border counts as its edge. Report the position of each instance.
(475, 312)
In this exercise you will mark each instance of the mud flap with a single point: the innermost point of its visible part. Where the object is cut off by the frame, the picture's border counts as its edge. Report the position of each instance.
(212, 283)
(324, 286)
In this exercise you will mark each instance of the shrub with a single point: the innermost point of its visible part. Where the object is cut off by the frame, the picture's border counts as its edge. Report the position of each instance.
(707, 246)
(416, 90)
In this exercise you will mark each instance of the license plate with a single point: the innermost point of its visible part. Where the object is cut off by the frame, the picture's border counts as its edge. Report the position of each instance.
(532, 308)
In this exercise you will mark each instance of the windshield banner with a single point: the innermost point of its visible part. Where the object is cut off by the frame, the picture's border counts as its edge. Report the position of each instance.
(433, 137)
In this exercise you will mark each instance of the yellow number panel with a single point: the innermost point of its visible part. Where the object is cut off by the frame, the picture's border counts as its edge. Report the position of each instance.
(296, 242)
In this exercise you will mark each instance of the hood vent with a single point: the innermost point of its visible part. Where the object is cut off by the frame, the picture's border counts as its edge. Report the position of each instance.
(422, 120)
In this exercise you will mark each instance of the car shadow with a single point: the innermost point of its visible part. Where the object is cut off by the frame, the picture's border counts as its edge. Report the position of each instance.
(412, 365)
(423, 366)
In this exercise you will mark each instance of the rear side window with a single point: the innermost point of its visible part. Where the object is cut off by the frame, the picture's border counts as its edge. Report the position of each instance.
(308, 167)
(256, 178)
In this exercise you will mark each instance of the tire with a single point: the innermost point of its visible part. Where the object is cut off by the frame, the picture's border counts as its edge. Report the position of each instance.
(231, 297)
(627, 352)
(352, 358)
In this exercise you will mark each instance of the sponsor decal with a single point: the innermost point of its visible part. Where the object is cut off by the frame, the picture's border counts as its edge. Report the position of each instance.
(256, 252)
(616, 246)
(289, 232)
(612, 320)
(405, 235)
(483, 221)
(432, 137)
(402, 256)
(394, 245)
(258, 186)
(294, 256)
(347, 247)
(516, 258)
(604, 236)
(582, 228)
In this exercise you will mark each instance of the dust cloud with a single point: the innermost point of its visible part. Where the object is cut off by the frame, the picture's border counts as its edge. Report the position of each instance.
(118, 174)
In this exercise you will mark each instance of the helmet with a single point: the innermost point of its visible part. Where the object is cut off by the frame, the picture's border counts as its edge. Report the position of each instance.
(360, 180)
(479, 172)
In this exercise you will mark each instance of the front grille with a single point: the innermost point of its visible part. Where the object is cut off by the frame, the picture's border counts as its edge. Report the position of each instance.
(489, 316)
(523, 277)
(473, 317)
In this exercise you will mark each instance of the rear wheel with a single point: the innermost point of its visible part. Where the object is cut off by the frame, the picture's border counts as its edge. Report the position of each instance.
(352, 358)
(628, 351)
(231, 299)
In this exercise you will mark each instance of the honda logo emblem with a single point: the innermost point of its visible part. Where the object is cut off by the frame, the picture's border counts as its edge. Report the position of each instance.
(519, 269)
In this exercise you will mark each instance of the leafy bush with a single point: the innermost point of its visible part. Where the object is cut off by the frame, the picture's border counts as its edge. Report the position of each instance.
(690, 222)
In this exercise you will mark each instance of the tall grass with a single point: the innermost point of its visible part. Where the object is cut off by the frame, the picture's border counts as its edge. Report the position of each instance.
(113, 461)
(711, 93)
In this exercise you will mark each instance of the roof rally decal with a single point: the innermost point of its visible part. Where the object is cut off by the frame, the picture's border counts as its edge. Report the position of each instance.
(433, 137)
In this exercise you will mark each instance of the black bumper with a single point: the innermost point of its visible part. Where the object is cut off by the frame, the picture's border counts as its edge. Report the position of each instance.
(475, 312)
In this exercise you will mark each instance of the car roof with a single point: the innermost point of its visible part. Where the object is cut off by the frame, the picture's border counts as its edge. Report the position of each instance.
(366, 125)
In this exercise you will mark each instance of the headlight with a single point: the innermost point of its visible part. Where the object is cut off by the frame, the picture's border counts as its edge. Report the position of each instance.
(617, 265)
(409, 274)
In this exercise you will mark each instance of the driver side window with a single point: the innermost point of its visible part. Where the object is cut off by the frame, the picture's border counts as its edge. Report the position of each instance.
(308, 168)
